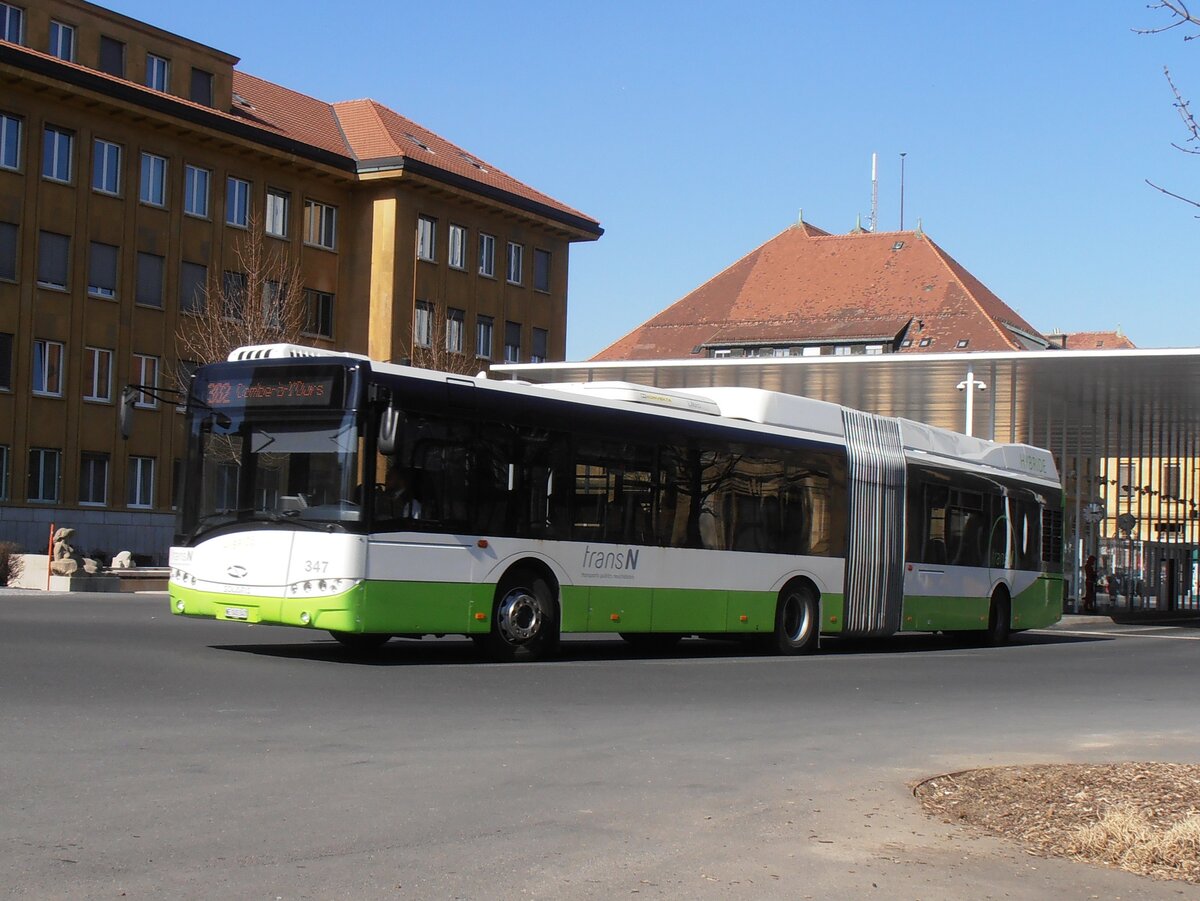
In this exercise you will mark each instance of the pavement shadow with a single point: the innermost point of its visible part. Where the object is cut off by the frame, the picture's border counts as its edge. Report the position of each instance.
(449, 651)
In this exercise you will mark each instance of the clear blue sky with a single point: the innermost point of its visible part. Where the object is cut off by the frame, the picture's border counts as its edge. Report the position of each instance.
(695, 131)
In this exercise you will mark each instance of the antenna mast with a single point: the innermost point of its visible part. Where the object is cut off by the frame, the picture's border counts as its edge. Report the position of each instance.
(874, 192)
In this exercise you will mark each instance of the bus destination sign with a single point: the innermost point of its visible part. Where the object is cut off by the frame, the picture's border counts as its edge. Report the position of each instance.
(279, 388)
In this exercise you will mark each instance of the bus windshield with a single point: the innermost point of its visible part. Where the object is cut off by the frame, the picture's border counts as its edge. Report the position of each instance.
(272, 470)
(263, 451)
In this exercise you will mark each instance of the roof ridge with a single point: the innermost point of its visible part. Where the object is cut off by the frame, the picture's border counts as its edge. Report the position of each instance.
(947, 260)
(647, 322)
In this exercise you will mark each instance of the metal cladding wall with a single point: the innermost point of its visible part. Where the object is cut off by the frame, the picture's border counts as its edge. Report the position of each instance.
(874, 586)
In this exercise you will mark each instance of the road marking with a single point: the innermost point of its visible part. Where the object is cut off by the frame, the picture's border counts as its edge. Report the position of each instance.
(1122, 634)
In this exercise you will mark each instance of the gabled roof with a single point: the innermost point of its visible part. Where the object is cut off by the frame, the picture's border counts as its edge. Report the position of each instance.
(805, 285)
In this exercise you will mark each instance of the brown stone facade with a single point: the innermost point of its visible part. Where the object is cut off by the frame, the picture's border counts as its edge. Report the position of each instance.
(114, 193)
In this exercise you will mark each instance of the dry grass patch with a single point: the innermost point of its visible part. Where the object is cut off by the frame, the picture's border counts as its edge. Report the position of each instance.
(1141, 817)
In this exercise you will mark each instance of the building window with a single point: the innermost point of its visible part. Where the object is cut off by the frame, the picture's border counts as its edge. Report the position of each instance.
(10, 142)
(141, 482)
(150, 280)
(1171, 481)
(184, 370)
(112, 56)
(145, 370)
(512, 342)
(483, 337)
(423, 324)
(273, 295)
(193, 286)
(57, 146)
(842, 350)
(47, 368)
(44, 467)
(154, 180)
(1125, 478)
(53, 254)
(202, 87)
(93, 479)
(278, 203)
(963, 342)
(195, 191)
(426, 238)
(176, 483)
(97, 374)
(541, 270)
(5, 468)
(873, 349)
(233, 295)
(925, 342)
(12, 23)
(62, 40)
(8, 251)
(456, 253)
(455, 323)
(320, 224)
(487, 255)
(318, 313)
(106, 167)
(811, 351)
(540, 340)
(158, 73)
(237, 202)
(102, 270)
(6, 345)
(516, 261)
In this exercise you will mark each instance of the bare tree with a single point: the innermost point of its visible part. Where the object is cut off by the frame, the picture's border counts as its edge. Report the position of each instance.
(258, 301)
(1180, 15)
(441, 343)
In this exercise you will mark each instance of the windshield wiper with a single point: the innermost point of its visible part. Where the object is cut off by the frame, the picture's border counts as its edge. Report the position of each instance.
(252, 514)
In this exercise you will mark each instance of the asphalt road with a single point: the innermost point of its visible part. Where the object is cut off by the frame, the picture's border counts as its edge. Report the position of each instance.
(142, 755)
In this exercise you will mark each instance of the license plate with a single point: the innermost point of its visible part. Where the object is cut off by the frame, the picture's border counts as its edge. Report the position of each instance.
(237, 613)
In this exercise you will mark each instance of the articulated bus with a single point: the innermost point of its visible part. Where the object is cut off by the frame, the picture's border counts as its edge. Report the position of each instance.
(330, 492)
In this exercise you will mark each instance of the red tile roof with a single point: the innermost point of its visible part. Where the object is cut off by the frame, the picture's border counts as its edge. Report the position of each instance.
(289, 113)
(1093, 340)
(378, 134)
(805, 285)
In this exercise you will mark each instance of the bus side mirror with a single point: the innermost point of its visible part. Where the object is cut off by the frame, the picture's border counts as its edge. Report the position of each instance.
(125, 412)
(389, 427)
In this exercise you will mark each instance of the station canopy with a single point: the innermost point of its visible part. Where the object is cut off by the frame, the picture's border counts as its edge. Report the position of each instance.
(1094, 403)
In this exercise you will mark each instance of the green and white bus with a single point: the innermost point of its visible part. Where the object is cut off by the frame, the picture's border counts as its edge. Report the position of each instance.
(331, 492)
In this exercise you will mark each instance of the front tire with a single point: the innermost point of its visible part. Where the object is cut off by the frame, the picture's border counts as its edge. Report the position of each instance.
(524, 619)
(797, 622)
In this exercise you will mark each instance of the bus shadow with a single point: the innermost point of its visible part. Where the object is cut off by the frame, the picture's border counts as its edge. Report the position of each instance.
(452, 652)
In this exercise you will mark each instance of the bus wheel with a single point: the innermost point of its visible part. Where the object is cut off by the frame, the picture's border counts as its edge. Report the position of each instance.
(362, 641)
(524, 618)
(999, 619)
(797, 622)
(652, 642)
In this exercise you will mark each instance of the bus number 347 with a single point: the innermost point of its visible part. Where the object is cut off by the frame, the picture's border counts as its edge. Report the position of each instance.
(316, 566)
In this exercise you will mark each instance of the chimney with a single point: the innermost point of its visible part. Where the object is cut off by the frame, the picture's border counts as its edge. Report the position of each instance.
(1058, 339)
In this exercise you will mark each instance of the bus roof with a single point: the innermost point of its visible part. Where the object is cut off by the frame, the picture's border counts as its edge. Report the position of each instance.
(789, 412)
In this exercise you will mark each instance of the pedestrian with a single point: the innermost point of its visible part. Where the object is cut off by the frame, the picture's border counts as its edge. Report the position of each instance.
(1089, 584)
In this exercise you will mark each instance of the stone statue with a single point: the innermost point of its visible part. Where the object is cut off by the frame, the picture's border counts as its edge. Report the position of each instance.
(123, 560)
(65, 561)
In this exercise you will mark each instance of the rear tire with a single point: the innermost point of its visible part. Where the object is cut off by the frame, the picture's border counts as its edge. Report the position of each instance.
(797, 622)
(999, 628)
(361, 642)
(524, 618)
